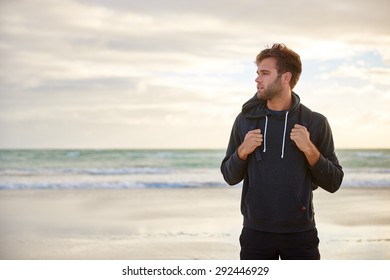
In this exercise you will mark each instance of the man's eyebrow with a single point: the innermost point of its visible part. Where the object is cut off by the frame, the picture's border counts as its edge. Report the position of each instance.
(263, 71)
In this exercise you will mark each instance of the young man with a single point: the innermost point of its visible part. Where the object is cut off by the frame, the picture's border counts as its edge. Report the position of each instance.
(283, 151)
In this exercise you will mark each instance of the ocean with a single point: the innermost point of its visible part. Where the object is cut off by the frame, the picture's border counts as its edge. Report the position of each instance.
(126, 169)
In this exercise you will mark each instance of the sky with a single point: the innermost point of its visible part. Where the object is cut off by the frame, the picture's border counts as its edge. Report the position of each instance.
(174, 74)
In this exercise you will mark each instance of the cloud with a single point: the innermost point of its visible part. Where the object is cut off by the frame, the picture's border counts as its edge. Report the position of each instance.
(184, 66)
(379, 76)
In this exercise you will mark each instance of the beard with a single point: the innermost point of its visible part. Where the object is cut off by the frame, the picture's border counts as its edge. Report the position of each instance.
(272, 91)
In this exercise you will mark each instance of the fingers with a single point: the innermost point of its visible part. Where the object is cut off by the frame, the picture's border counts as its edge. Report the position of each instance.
(254, 138)
(255, 131)
(298, 130)
(298, 127)
(300, 136)
(255, 135)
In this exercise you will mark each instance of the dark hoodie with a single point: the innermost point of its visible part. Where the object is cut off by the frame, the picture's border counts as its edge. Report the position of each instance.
(277, 194)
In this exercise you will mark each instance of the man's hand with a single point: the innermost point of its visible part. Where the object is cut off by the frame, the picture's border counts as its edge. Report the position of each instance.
(301, 137)
(252, 140)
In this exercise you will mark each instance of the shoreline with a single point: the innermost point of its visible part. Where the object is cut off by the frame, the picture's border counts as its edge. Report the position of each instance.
(186, 223)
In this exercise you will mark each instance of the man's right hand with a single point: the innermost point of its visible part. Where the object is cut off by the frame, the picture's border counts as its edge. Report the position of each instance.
(252, 140)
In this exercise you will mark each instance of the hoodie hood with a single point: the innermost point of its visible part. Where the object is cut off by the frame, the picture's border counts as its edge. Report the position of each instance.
(256, 108)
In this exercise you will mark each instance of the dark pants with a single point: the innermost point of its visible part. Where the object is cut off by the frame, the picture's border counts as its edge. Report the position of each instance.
(258, 245)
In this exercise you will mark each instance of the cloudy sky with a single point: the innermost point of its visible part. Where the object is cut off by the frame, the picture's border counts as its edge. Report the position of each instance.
(174, 74)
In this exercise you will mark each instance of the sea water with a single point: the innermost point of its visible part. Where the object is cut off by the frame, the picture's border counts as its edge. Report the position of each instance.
(93, 169)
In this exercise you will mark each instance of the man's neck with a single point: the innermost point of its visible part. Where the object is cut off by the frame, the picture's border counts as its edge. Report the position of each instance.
(280, 103)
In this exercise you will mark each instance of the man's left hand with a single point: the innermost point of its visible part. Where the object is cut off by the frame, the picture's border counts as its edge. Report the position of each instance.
(301, 137)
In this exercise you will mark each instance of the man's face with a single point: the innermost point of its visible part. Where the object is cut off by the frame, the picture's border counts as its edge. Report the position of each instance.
(268, 81)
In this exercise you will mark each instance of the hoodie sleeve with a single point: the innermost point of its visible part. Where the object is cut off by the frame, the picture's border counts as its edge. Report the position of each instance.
(232, 167)
(327, 172)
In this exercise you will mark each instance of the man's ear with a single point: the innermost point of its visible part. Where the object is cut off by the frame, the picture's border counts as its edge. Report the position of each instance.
(286, 77)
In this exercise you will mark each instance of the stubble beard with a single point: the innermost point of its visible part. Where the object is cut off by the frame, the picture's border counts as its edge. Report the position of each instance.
(273, 90)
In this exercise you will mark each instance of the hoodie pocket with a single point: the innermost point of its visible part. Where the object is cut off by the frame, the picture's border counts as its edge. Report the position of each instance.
(276, 208)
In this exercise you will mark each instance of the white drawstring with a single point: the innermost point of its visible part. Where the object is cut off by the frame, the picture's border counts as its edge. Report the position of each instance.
(265, 134)
(284, 134)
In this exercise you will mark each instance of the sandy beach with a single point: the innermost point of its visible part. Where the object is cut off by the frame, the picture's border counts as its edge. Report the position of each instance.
(185, 223)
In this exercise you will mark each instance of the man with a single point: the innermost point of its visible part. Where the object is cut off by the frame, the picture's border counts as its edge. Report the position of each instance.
(283, 151)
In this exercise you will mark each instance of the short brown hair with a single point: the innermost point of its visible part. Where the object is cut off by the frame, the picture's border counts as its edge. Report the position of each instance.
(286, 61)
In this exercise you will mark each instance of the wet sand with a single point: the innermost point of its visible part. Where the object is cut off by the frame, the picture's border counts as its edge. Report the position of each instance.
(166, 224)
